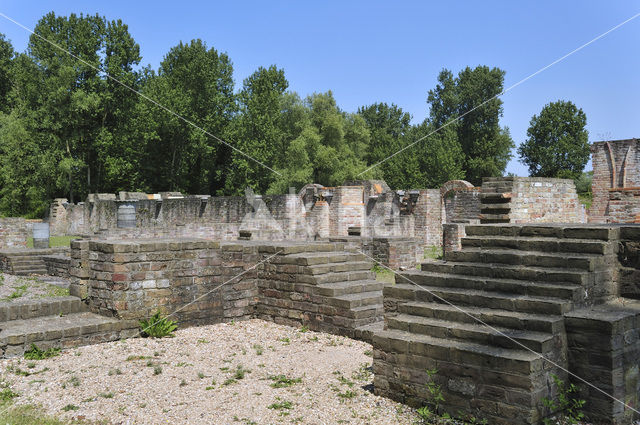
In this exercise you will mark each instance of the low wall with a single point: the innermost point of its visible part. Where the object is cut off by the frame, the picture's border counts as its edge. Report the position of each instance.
(395, 252)
(14, 232)
(57, 265)
(624, 205)
(452, 234)
(604, 348)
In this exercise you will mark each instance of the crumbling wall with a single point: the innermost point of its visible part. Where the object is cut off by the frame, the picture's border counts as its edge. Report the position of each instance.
(14, 232)
(545, 200)
(616, 181)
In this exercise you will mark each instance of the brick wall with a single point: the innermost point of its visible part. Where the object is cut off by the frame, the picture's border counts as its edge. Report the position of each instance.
(452, 234)
(428, 217)
(616, 164)
(604, 349)
(396, 252)
(14, 232)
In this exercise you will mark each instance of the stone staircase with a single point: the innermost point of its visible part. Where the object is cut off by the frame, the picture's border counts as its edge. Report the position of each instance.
(495, 201)
(327, 288)
(27, 261)
(519, 280)
(61, 322)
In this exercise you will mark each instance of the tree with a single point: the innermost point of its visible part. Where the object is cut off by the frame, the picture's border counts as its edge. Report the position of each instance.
(6, 56)
(557, 142)
(195, 82)
(389, 126)
(486, 146)
(257, 131)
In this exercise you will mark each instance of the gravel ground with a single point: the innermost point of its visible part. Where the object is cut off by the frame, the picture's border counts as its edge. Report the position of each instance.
(31, 287)
(197, 378)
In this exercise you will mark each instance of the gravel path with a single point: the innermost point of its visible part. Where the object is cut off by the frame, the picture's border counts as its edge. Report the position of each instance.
(250, 372)
(31, 287)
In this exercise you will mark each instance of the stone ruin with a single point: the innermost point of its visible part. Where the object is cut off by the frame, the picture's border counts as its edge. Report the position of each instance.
(563, 291)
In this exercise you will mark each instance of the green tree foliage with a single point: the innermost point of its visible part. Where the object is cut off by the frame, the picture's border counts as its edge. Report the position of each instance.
(486, 146)
(557, 142)
(196, 83)
(66, 129)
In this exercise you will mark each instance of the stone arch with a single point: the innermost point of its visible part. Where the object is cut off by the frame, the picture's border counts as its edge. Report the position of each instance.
(454, 185)
(462, 206)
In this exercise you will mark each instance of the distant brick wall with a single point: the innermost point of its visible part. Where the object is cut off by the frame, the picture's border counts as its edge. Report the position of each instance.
(14, 232)
(616, 165)
(531, 200)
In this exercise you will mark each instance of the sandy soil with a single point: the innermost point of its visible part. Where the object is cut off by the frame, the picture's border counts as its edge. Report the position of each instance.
(251, 372)
(14, 288)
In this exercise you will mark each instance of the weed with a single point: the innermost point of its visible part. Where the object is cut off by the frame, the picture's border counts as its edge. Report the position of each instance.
(304, 329)
(285, 340)
(201, 375)
(569, 408)
(106, 395)
(134, 357)
(31, 365)
(363, 374)
(34, 353)
(8, 394)
(282, 405)
(19, 291)
(210, 387)
(202, 341)
(229, 382)
(347, 394)
(115, 371)
(258, 348)
(240, 372)
(183, 383)
(158, 326)
(157, 370)
(70, 407)
(281, 381)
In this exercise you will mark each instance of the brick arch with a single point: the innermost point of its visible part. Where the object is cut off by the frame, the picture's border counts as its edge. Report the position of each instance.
(454, 185)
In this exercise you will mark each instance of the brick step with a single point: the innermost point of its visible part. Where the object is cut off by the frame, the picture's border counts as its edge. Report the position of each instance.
(27, 261)
(586, 246)
(548, 231)
(31, 271)
(335, 289)
(587, 262)
(497, 208)
(16, 336)
(566, 291)
(495, 197)
(316, 258)
(352, 301)
(494, 317)
(350, 266)
(536, 274)
(339, 277)
(540, 342)
(28, 309)
(494, 218)
(498, 359)
(478, 298)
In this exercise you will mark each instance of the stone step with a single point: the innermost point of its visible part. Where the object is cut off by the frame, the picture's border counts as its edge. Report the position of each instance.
(21, 267)
(491, 197)
(567, 291)
(27, 272)
(366, 332)
(503, 360)
(27, 262)
(535, 274)
(29, 309)
(494, 218)
(540, 342)
(315, 258)
(495, 317)
(339, 277)
(352, 301)
(335, 289)
(548, 231)
(586, 246)
(16, 336)
(587, 262)
(478, 298)
(498, 208)
(350, 266)
(372, 311)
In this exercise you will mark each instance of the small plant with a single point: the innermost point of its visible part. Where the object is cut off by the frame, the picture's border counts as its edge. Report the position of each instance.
(201, 375)
(304, 329)
(19, 291)
(281, 381)
(283, 406)
(158, 326)
(69, 407)
(569, 408)
(183, 383)
(285, 340)
(134, 357)
(106, 395)
(115, 371)
(157, 370)
(240, 372)
(8, 394)
(258, 348)
(347, 394)
(229, 381)
(34, 353)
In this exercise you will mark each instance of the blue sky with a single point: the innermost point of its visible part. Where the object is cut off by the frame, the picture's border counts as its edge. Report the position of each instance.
(374, 51)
